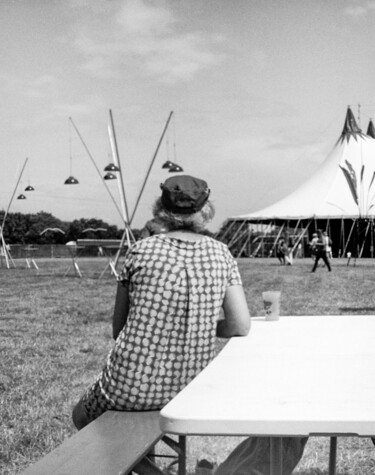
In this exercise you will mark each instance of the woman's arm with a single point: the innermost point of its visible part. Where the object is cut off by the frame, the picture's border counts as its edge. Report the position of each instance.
(121, 311)
(237, 319)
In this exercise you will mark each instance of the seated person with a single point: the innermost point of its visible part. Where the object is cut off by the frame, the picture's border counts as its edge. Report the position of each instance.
(167, 308)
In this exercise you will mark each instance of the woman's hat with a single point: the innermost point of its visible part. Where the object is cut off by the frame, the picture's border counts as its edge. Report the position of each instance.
(184, 194)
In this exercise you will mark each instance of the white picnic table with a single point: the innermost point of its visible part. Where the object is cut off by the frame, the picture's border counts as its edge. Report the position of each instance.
(298, 376)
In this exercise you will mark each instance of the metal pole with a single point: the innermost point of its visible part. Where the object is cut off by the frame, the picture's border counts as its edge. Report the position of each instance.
(116, 158)
(121, 187)
(332, 456)
(6, 252)
(151, 164)
(14, 192)
(97, 169)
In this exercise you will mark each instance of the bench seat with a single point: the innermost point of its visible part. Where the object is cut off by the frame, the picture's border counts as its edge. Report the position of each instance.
(111, 445)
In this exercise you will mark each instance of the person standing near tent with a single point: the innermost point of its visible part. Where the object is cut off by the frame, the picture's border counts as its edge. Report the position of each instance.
(322, 251)
(289, 252)
(281, 250)
(166, 317)
(314, 245)
(329, 244)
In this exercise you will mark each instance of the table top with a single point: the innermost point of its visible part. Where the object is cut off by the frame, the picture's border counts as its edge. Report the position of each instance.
(302, 375)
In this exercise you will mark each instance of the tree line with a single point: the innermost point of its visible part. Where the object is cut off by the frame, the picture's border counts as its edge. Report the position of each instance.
(41, 228)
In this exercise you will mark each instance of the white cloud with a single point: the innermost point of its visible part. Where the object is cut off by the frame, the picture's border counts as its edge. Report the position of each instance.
(42, 86)
(359, 8)
(141, 18)
(146, 37)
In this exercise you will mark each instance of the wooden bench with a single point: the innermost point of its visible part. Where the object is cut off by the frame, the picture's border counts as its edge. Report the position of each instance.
(111, 445)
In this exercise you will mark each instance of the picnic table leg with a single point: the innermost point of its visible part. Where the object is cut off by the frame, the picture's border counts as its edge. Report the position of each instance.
(180, 448)
(276, 467)
(332, 456)
(182, 456)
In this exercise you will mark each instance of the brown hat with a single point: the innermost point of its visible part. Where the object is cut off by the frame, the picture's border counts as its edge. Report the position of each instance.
(184, 194)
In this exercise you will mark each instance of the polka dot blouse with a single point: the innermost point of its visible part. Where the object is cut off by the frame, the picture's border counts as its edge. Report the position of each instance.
(176, 290)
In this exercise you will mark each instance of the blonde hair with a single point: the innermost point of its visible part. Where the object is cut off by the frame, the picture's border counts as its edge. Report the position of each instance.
(194, 222)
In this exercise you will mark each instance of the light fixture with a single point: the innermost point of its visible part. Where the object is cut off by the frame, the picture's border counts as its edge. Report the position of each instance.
(175, 168)
(71, 181)
(111, 167)
(168, 164)
(21, 197)
(29, 188)
(110, 176)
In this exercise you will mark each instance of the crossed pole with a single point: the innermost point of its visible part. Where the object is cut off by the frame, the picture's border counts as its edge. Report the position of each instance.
(3, 245)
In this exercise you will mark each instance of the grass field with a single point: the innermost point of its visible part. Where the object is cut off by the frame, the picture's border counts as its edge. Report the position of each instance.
(55, 333)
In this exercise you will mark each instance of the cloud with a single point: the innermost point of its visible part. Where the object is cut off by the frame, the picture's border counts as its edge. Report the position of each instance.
(147, 38)
(35, 87)
(358, 8)
(141, 18)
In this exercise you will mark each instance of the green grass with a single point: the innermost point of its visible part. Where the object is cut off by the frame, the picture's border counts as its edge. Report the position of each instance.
(55, 333)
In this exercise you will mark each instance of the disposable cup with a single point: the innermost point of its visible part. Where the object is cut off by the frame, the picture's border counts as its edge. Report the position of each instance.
(271, 301)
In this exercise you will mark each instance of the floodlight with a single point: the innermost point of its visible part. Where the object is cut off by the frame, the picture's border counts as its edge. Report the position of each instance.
(110, 176)
(168, 164)
(21, 197)
(71, 181)
(111, 167)
(29, 188)
(175, 168)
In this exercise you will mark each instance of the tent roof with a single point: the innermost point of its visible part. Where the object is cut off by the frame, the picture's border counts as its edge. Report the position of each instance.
(342, 187)
(371, 129)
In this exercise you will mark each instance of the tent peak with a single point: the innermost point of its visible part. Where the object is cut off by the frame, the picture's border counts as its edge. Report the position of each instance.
(350, 126)
(371, 129)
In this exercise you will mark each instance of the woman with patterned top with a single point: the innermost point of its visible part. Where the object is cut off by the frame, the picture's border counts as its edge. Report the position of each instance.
(166, 318)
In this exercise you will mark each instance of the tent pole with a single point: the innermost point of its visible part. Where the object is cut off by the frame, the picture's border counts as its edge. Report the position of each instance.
(342, 237)
(372, 239)
(229, 227)
(244, 245)
(295, 229)
(301, 235)
(235, 234)
(250, 242)
(350, 233)
(239, 237)
(356, 246)
(364, 240)
(269, 228)
(262, 247)
(278, 236)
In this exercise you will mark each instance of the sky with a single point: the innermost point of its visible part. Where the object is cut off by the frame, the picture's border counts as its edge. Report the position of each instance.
(258, 91)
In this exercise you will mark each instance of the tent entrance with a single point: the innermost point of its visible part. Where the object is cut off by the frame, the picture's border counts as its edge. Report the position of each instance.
(258, 238)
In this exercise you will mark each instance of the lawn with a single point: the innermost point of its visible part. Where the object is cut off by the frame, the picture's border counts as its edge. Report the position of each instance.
(55, 333)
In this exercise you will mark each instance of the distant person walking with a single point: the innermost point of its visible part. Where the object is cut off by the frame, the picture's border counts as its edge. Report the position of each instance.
(281, 250)
(314, 245)
(329, 244)
(289, 252)
(322, 250)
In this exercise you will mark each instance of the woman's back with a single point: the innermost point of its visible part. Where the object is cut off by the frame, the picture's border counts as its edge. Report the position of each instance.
(176, 289)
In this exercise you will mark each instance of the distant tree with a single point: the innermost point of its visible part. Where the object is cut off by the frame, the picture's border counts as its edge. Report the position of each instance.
(15, 228)
(43, 229)
(28, 229)
(92, 228)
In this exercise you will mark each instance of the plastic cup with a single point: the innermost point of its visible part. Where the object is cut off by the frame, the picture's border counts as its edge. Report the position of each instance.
(271, 301)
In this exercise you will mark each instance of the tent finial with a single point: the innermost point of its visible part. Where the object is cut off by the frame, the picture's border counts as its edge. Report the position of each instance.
(351, 128)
